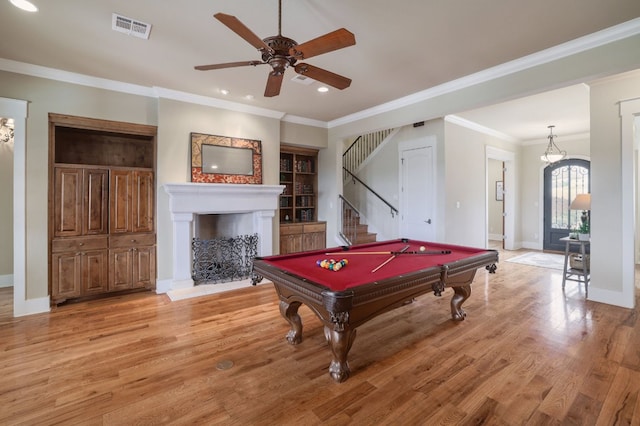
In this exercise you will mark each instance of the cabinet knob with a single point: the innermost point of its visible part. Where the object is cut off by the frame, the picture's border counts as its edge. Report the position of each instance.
(133, 240)
(81, 244)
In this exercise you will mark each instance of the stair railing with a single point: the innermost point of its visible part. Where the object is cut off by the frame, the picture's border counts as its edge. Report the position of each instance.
(361, 148)
(349, 218)
(354, 178)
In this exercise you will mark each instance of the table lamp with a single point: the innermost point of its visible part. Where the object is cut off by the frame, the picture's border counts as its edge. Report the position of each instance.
(582, 202)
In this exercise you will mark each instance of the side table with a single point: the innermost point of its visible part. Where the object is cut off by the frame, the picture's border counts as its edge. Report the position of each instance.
(573, 274)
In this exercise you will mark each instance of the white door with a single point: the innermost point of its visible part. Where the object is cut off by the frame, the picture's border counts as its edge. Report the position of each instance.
(417, 192)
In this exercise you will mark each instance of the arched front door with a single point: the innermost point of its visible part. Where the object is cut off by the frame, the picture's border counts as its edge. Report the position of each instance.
(562, 182)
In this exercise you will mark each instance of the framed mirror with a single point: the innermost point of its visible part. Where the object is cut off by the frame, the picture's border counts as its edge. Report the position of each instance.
(224, 159)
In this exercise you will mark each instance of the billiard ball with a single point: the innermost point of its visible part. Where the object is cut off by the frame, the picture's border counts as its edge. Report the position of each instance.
(422, 248)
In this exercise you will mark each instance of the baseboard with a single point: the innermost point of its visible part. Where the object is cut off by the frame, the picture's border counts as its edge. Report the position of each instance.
(531, 245)
(6, 280)
(614, 298)
(163, 286)
(32, 306)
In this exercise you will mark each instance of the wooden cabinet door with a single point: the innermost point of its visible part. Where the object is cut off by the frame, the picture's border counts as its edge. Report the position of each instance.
(94, 272)
(120, 208)
(96, 199)
(144, 267)
(290, 243)
(67, 202)
(120, 268)
(66, 276)
(142, 201)
(132, 201)
(314, 241)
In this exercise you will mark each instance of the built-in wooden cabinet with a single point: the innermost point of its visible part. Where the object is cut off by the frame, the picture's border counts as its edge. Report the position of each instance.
(79, 266)
(300, 229)
(80, 204)
(102, 207)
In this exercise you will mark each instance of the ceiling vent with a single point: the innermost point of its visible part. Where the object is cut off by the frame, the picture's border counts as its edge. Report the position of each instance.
(299, 78)
(130, 26)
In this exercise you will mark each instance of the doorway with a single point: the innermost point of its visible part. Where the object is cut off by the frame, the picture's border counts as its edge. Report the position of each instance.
(6, 201)
(17, 110)
(562, 182)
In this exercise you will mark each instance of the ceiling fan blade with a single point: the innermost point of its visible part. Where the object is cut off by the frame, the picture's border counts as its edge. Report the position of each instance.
(332, 41)
(227, 65)
(239, 28)
(273, 84)
(324, 76)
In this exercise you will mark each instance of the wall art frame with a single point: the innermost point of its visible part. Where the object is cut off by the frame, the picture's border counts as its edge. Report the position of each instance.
(225, 159)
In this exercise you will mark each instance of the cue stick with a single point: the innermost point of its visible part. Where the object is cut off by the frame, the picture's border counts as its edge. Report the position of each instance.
(392, 252)
(389, 259)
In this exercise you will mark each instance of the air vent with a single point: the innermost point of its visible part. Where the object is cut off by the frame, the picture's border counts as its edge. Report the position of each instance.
(299, 78)
(130, 26)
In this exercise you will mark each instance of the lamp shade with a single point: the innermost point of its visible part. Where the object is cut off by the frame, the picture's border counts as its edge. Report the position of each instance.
(581, 202)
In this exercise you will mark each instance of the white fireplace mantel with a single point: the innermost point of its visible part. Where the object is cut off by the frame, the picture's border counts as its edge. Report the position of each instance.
(186, 200)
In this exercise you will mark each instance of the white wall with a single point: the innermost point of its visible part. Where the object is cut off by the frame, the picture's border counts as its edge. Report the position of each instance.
(46, 96)
(176, 121)
(612, 193)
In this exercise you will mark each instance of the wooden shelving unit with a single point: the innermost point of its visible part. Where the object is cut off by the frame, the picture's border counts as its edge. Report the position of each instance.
(300, 229)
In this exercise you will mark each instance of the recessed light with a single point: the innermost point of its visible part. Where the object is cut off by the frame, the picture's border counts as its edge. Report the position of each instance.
(249, 97)
(323, 89)
(224, 91)
(24, 5)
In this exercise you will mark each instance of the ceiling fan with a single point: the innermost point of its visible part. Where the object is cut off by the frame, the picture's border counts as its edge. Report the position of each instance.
(282, 52)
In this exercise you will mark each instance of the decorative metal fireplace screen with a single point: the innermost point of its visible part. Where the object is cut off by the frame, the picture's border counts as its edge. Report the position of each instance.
(223, 259)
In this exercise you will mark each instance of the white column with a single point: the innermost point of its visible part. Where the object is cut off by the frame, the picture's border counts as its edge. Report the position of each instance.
(263, 225)
(182, 228)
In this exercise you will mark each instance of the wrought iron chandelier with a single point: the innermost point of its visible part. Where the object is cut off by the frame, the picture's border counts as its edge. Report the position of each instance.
(552, 153)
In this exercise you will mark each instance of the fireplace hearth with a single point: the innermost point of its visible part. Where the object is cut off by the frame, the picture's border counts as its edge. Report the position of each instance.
(250, 207)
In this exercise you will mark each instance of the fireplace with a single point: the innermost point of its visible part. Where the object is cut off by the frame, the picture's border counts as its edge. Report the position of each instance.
(245, 209)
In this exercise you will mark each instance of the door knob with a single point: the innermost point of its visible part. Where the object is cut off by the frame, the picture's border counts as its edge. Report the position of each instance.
(428, 221)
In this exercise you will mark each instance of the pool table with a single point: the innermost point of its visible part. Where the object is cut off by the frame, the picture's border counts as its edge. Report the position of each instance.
(377, 278)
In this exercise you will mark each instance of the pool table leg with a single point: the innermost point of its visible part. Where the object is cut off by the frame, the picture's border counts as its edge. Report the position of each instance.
(340, 343)
(461, 293)
(290, 312)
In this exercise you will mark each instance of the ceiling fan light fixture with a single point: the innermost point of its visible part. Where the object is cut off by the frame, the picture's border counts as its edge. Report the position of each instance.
(281, 52)
(552, 154)
(24, 5)
(323, 89)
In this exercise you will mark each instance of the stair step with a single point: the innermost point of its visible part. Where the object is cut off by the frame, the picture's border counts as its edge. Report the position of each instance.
(365, 238)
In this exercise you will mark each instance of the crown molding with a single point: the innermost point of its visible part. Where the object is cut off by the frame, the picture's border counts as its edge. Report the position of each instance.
(306, 121)
(74, 78)
(600, 38)
(608, 35)
(216, 103)
(132, 89)
(479, 128)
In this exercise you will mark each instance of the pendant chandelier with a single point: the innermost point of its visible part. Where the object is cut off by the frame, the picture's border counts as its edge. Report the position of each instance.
(552, 153)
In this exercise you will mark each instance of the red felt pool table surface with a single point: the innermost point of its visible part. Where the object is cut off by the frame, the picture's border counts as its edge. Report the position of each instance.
(345, 299)
(360, 266)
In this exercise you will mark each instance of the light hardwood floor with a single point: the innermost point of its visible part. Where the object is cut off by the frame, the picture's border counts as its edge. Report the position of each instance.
(528, 353)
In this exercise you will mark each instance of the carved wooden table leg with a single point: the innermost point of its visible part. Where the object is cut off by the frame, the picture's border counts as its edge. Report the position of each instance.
(290, 313)
(340, 343)
(461, 293)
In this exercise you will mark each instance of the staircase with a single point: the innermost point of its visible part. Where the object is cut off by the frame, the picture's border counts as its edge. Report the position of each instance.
(354, 231)
(353, 158)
